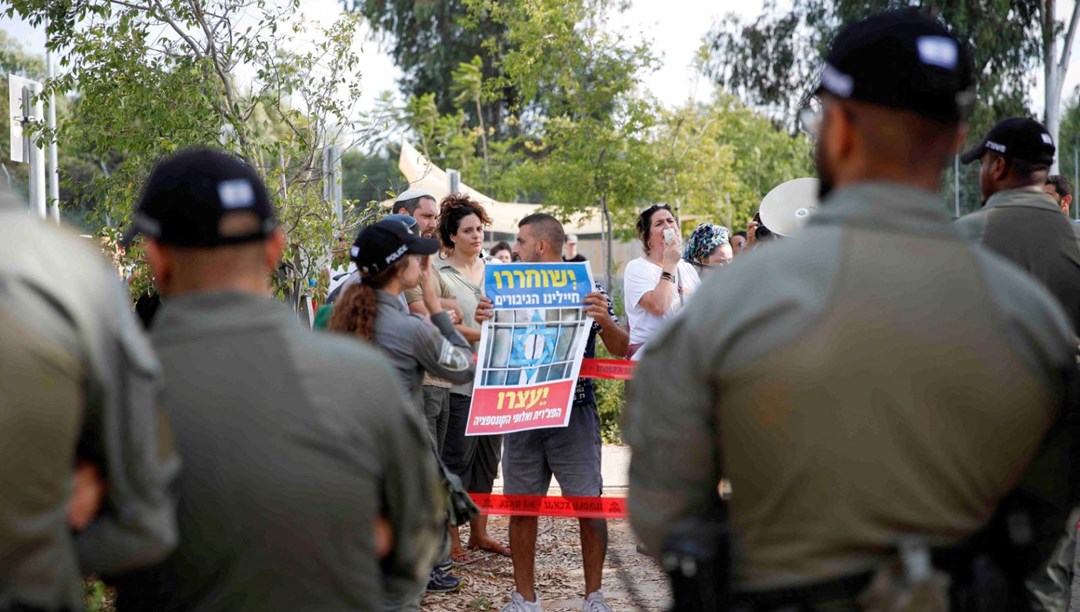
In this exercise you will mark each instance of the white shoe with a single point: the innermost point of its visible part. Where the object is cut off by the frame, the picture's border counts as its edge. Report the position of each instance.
(595, 602)
(518, 604)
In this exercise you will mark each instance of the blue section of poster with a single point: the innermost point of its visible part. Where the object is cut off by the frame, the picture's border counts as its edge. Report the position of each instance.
(553, 285)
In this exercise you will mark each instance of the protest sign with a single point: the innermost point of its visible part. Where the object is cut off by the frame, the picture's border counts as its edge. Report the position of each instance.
(531, 350)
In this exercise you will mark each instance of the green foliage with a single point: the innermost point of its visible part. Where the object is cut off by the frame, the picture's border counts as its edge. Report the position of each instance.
(773, 62)
(96, 598)
(430, 40)
(610, 399)
(155, 76)
(719, 160)
(369, 178)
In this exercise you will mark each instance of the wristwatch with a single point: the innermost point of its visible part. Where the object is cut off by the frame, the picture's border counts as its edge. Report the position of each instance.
(667, 276)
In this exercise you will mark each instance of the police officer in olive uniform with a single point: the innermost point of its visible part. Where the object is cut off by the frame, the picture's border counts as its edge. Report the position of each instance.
(1019, 220)
(888, 383)
(308, 483)
(79, 396)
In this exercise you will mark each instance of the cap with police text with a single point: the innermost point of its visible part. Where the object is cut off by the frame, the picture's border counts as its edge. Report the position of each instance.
(902, 60)
(189, 199)
(1017, 137)
(379, 245)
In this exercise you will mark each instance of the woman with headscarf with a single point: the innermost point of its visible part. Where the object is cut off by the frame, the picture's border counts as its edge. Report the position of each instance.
(708, 247)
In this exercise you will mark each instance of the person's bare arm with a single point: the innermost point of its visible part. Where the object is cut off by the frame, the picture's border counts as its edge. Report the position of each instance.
(87, 495)
(615, 338)
(658, 301)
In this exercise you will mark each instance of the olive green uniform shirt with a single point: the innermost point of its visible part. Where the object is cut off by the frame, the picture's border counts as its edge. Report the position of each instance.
(1027, 227)
(77, 380)
(874, 376)
(293, 442)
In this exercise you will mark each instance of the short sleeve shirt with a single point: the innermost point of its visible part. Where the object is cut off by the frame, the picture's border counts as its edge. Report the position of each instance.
(640, 277)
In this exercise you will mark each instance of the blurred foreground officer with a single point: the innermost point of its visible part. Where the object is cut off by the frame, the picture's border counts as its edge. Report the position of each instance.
(885, 389)
(302, 465)
(78, 387)
(1019, 220)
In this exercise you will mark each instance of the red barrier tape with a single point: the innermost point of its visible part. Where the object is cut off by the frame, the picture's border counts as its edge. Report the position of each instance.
(535, 505)
(614, 369)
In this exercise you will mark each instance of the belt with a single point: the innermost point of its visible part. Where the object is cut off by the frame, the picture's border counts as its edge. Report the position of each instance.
(803, 597)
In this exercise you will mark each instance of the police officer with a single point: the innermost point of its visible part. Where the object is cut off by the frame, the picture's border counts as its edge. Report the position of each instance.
(1019, 220)
(303, 464)
(86, 458)
(887, 386)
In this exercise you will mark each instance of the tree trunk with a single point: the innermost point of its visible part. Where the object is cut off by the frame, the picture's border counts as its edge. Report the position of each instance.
(608, 238)
(1054, 70)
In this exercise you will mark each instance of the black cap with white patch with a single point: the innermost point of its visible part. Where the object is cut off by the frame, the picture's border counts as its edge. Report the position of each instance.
(1018, 138)
(902, 60)
(190, 196)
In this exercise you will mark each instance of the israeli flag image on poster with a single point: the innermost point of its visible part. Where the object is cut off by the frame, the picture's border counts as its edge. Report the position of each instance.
(531, 350)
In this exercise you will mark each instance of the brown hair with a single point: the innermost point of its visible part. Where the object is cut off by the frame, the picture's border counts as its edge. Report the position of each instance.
(644, 223)
(452, 210)
(355, 311)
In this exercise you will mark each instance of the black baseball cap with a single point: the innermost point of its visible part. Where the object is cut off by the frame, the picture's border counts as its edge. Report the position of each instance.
(903, 60)
(189, 194)
(1017, 137)
(379, 245)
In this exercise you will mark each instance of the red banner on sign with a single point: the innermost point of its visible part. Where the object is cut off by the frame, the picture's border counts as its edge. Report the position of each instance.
(615, 369)
(536, 505)
(497, 410)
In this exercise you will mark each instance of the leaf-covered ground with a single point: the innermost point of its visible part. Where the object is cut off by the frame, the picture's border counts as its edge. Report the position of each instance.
(631, 580)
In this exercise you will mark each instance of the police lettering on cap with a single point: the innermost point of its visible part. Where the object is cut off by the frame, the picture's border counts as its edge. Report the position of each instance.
(903, 60)
(191, 194)
(1017, 138)
(379, 245)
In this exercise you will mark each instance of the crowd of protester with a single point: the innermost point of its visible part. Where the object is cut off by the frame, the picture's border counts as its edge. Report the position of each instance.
(888, 395)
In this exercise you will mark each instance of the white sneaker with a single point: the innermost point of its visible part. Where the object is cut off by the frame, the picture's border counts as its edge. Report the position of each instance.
(595, 602)
(518, 604)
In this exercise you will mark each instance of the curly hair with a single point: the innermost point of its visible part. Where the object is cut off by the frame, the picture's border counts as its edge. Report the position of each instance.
(644, 221)
(355, 311)
(452, 210)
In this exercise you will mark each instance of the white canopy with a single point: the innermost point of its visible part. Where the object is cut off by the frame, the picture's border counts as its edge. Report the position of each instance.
(422, 174)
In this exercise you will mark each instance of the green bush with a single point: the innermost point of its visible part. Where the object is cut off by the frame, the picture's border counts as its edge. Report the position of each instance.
(610, 398)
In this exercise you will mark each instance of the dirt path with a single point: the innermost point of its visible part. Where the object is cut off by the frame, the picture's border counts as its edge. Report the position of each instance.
(631, 581)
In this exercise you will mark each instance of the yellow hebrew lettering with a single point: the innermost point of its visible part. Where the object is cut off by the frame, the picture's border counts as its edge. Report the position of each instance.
(499, 407)
(520, 278)
(500, 275)
(532, 278)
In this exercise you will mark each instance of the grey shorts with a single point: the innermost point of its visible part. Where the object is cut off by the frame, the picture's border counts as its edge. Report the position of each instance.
(571, 454)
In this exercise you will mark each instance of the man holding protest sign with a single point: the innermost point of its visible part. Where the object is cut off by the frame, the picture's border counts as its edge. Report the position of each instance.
(570, 453)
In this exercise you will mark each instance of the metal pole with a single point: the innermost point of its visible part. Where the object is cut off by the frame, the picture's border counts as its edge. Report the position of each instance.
(956, 184)
(454, 178)
(35, 156)
(54, 168)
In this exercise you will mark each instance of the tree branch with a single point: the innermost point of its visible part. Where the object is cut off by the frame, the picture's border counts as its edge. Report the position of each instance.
(1069, 36)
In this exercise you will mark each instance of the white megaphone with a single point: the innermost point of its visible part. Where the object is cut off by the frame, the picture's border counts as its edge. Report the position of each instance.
(786, 208)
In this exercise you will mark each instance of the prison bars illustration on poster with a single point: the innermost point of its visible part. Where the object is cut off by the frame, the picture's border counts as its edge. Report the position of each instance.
(531, 350)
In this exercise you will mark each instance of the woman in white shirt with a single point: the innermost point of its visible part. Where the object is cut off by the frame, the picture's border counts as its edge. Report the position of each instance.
(657, 284)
